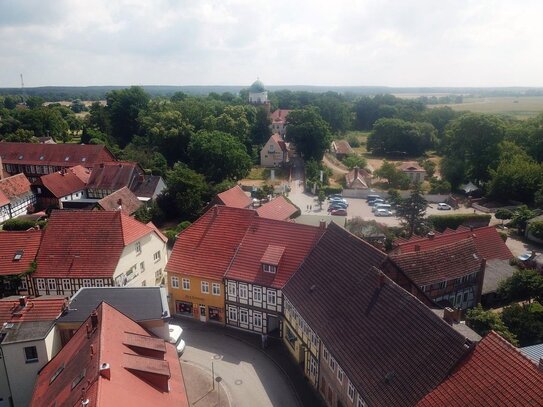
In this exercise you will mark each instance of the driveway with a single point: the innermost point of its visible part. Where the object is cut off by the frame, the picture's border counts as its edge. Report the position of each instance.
(249, 377)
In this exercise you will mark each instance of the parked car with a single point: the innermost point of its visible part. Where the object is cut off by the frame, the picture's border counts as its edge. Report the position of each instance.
(442, 206)
(381, 206)
(373, 197)
(376, 201)
(339, 205)
(336, 199)
(175, 338)
(339, 212)
(383, 212)
(335, 196)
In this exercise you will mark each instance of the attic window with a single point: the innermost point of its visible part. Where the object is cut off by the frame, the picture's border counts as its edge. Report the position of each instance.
(67, 158)
(79, 378)
(57, 372)
(269, 268)
(84, 159)
(18, 255)
(42, 157)
(21, 157)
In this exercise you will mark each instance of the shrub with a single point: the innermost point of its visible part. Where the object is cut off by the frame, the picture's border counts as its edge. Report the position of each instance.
(442, 222)
(353, 141)
(18, 224)
(332, 190)
(536, 229)
(504, 236)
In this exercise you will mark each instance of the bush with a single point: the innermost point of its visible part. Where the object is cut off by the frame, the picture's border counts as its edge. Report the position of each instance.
(332, 190)
(442, 222)
(353, 141)
(504, 236)
(536, 229)
(18, 224)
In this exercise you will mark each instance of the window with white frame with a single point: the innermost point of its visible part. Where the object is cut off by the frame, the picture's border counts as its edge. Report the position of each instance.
(142, 266)
(325, 353)
(158, 274)
(216, 289)
(442, 285)
(40, 282)
(156, 256)
(269, 268)
(87, 282)
(243, 316)
(99, 282)
(257, 294)
(232, 314)
(271, 297)
(204, 287)
(66, 284)
(361, 402)
(257, 319)
(350, 391)
(332, 364)
(243, 291)
(51, 284)
(175, 282)
(186, 284)
(138, 248)
(313, 366)
(24, 285)
(340, 374)
(313, 338)
(232, 289)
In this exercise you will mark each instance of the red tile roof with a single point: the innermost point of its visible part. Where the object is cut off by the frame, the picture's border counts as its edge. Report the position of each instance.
(272, 255)
(234, 198)
(81, 172)
(122, 198)
(411, 166)
(4, 200)
(342, 147)
(392, 347)
(64, 182)
(206, 247)
(444, 263)
(278, 208)
(26, 243)
(494, 374)
(279, 140)
(297, 240)
(280, 115)
(360, 175)
(62, 155)
(487, 240)
(135, 378)
(115, 175)
(15, 186)
(86, 243)
(45, 308)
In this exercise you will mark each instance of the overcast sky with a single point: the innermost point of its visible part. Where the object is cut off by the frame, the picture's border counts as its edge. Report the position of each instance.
(295, 42)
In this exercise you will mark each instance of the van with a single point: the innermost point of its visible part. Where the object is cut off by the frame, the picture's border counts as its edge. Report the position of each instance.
(386, 206)
(372, 197)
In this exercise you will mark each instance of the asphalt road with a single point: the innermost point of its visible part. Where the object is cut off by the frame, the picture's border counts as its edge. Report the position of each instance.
(249, 377)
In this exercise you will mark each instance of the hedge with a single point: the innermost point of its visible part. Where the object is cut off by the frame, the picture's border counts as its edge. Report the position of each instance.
(332, 190)
(442, 222)
(536, 229)
(18, 224)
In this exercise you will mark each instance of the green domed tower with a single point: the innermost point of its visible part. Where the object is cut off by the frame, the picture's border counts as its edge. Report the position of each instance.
(257, 93)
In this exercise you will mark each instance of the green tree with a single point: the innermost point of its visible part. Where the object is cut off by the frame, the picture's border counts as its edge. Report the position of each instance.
(34, 102)
(124, 107)
(186, 193)
(20, 136)
(412, 211)
(396, 135)
(98, 118)
(233, 121)
(10, 102)
(353, 160)
(321, 197)
(219, 156)
(429, 166)
(483, 322)
(503, 214)
(394, 177)
(525, 322)
(522, 285)
(260, 128)
(520, 218)
(309, 132)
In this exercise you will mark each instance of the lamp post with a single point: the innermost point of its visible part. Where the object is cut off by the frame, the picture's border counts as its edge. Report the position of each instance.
(218, 379)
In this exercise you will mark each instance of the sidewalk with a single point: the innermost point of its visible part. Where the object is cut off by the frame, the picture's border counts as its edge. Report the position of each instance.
(200, 391)
(275, 350)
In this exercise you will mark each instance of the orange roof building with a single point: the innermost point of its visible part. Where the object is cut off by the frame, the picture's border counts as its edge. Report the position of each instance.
(234, 198)
(112, 361)
(121, 200)
(96, 249)
(278, 208)
(16, 197)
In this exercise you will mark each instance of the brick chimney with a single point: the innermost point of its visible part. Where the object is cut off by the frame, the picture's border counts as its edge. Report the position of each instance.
(322, 224)
(431, 235)
(451, 315)
(22, 301)
(94, 319)
(120, 203)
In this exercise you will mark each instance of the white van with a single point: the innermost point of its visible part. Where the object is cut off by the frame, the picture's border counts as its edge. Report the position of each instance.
(386, 206)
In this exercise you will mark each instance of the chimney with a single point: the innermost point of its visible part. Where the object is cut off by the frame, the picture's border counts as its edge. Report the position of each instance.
(94, 319)
(355, 172)
(431, 235)
(322, 224)
(451, 315)
(120, 203)
(417, 248)
(22, 301)
(105, 371)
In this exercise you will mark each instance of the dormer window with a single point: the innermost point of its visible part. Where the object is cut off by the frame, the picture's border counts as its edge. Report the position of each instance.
(18, 255)
(269, 268)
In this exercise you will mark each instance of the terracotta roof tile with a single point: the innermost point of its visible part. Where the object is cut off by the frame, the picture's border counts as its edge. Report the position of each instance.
(25, 243)
(115, 175)
(63, 155)
(122, 198)
(375, 329)
(4, 200)
(487, 240)
(234, 198)
(15, 186)
(279, 140)
(272, 255)
(45, 308)
(63, 183)
(494, 374)
(411, 166)
(444, 263)
(360, 175)
(280, 115)
(135, 378)
(278, 208)
(86, 243)
(342, 147)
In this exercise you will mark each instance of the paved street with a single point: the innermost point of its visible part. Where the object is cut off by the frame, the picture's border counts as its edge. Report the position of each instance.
(249, 377)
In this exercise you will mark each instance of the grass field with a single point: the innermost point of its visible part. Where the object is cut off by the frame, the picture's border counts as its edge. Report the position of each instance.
(519, 107)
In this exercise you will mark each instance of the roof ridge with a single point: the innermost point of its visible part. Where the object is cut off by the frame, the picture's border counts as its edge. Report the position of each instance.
(494, 334)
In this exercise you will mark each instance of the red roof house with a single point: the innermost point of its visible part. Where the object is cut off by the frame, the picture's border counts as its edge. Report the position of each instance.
(16, 196)
(234, 198)
(358, 178)
(112, 361)
(278, 208)
(108, 177)
(66, 182)
(279, 121)
(341, 149)
(494, 374)
(89, 248)
(123, 199)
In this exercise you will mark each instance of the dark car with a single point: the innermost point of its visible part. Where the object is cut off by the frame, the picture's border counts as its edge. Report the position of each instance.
(339, 212)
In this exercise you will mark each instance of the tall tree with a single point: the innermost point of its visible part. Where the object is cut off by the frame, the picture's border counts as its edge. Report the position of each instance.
(123, 107)
(483, 322)
(309, 132)
(412, 211)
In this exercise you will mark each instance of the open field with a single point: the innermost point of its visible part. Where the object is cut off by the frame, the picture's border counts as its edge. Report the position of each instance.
(521, 107)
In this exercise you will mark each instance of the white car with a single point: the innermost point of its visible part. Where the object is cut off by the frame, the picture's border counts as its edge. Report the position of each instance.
(175, 338)
(383, 212)
(442, 206)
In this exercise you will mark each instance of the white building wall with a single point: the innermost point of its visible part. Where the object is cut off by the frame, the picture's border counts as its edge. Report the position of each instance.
(129, 270)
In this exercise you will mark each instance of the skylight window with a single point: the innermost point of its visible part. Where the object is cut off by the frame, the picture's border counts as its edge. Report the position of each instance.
(21, 157)
(42, 157)
(84, 159)
(57, 372)
(18, 255)
(79, 378)
(67, 158)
